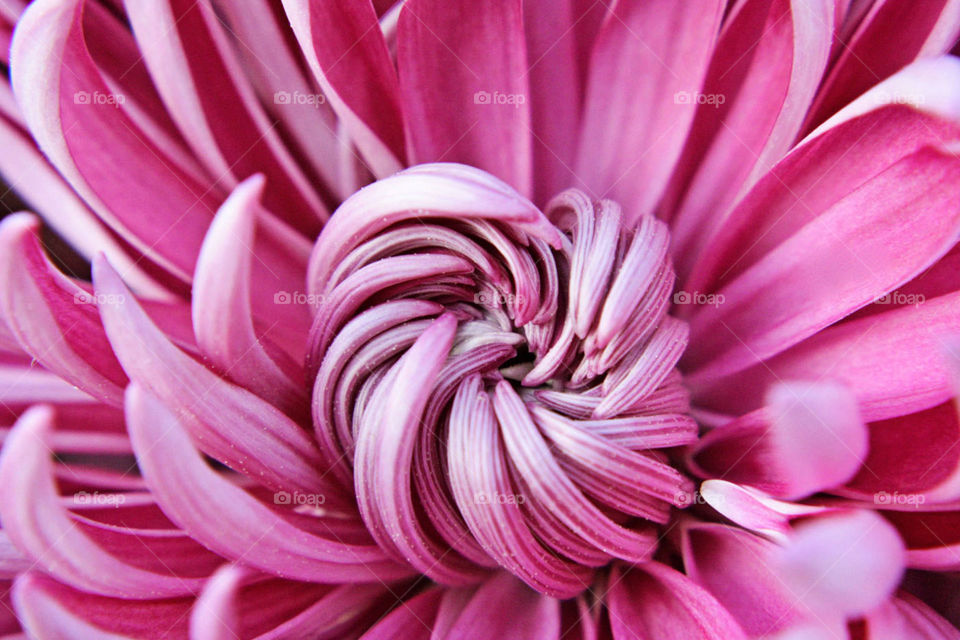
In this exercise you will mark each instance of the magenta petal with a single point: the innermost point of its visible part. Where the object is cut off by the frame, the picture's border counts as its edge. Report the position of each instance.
(97, 148)
(342, 42)
(504, 608)
(736, 567)
(926, 30)
(54, 319)
(185, 45)
(232, 424)
(769, 61)
(464, 86)
(917, 455)
(884, 358)
(49, 609)
(646, 69)
(654, 602)
(809, 438)
(410, 620)
(245, 527)
(221, 307)
(24, 167)
(868, 243)
(42, 527)
(905, 617)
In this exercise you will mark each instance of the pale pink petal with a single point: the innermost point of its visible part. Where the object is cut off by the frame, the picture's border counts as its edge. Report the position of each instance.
(842, 564)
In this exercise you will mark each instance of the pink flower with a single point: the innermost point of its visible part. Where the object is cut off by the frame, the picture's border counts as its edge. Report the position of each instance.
(439, 320)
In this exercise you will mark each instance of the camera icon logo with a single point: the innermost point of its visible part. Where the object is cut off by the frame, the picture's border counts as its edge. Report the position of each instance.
(281, 97)
(481, 97)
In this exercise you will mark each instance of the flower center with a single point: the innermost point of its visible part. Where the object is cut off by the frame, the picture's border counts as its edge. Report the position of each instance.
(497, 393)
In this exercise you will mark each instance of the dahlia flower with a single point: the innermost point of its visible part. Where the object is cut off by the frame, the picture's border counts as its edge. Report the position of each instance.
(519, 319)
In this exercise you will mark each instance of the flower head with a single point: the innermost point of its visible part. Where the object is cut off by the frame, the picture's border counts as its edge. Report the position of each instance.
(434, 320)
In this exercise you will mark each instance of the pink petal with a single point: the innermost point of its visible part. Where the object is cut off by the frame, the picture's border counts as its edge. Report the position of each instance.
(635, 120)
(410, 620)
(342, 42)
(238, 603)
(555, 87)
(866, 244)
(31, 176)
(753, 509)
(882, 127)
(735, 566)
(654, 602)
(185, 46)
(104, 151)
(892, 34)
(385, 444)
(245, 527)
(810, 437)
(914, 455)
(48, 609)
(221, 307)
(419, 193)
(275, 65)
(767, 66)
(905, 617)
(504, 608)
(42, 527)
(886, 359)
(54, 319)
(456, 65)
(232, 424)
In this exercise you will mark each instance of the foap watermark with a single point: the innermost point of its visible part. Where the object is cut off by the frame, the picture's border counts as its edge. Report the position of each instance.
(298, 297)
(299, 499)
(99, 98)
(882, 498)
(496, 299)
(695, 97)
(483, 497)
(499, 98)
(99, 499)
(101, 299)
(902, 299)
(695, 297)
(684, 499)
(915, 100)
(299, 98)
